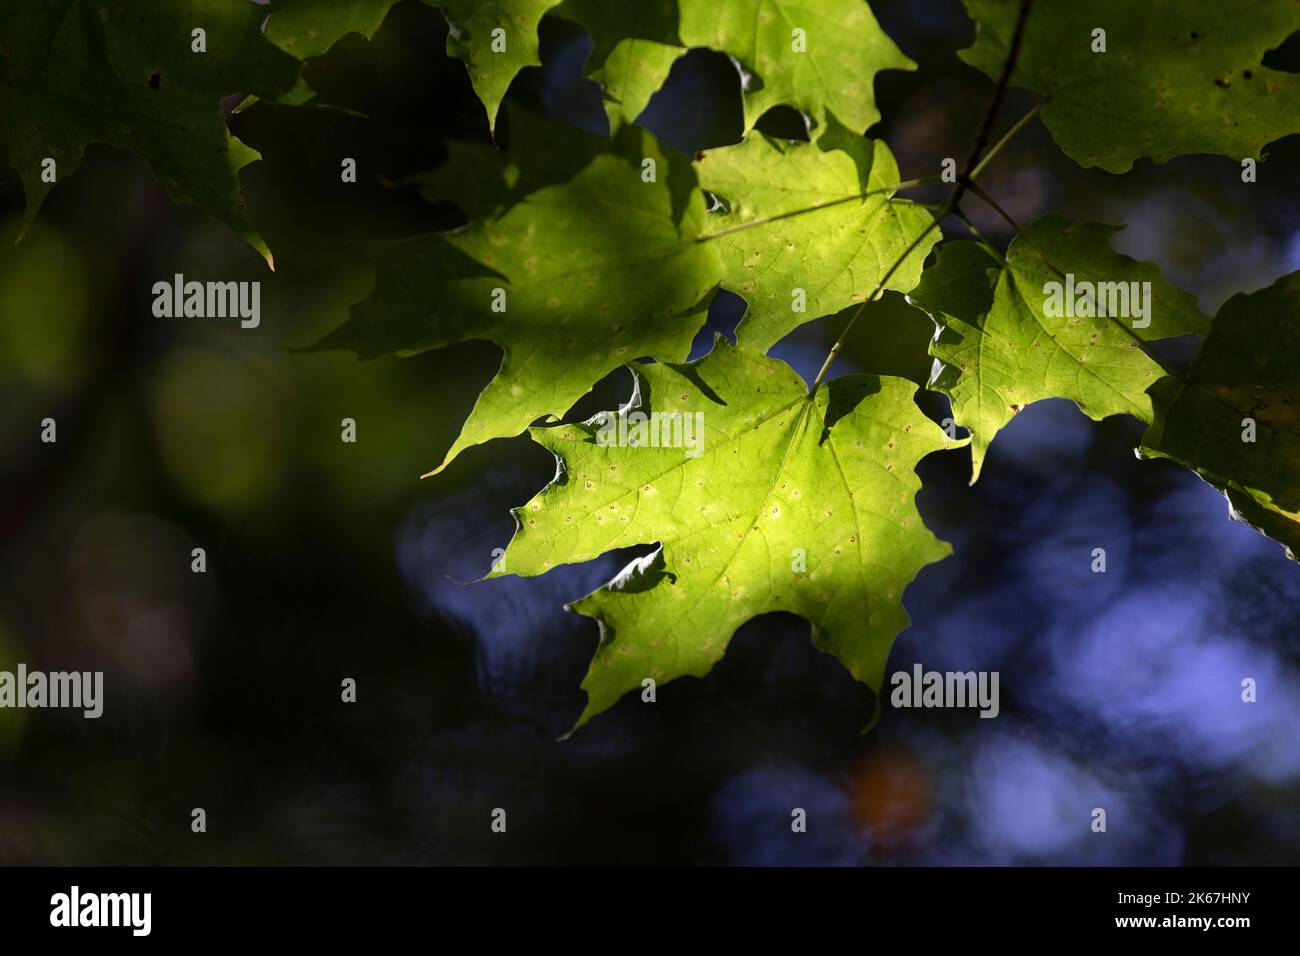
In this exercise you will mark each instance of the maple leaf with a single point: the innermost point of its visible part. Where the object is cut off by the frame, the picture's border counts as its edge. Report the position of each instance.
(805, 224)
(1175, 78)
(843, 48)
(78, 72)
(484, 179)
(1003, 348)
(633, 50)
(609, 266)
(493, 61)
(818, 56)
(1234, 417)
(308, 28)
(592, 273)
(786, 502)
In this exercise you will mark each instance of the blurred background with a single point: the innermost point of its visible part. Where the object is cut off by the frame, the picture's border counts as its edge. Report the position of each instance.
(329, 560)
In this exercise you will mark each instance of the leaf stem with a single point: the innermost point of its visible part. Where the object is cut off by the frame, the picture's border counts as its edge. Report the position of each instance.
(974, 166)
(981, 193)
(1006, 138)
(997, 253)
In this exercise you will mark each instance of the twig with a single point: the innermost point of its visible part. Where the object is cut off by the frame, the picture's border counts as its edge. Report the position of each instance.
(972, 167)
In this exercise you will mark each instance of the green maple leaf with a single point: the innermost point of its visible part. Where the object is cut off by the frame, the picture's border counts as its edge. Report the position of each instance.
(633, 50)
(1176, 78)
(634, 46)
(805, 216)
(76, 72)
(308, 28)
(595, 272)
(1248, 368)
(632, 74)
(491, 71)
(844, 49)
(1003, 350)
(484, 179)
(791, 502)
(608, 267)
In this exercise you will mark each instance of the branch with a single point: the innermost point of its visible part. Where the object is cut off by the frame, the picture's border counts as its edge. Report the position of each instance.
(990, 114)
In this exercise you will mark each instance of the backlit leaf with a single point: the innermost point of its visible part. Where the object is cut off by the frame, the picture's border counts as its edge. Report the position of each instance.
(1175, 78)
(790, 502)
(1003, 347)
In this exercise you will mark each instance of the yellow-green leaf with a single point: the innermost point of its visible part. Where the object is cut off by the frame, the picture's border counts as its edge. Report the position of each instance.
(1061, 318)
(778, 501)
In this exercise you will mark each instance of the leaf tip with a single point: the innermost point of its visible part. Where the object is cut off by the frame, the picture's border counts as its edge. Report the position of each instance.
(23, 229)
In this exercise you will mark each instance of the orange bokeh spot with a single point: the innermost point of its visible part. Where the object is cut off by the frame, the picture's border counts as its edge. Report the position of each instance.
(891, 794)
